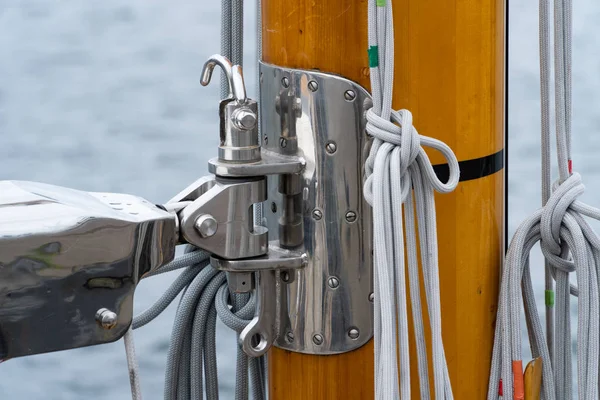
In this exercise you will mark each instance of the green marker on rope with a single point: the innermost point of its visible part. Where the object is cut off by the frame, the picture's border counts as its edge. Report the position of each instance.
(373, 56)
(550, 298)
(380, 3)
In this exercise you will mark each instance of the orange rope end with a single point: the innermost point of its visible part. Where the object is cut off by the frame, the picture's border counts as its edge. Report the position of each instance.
(519, 386)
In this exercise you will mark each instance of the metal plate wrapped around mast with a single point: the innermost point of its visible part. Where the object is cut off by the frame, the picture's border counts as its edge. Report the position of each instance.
(326, 306)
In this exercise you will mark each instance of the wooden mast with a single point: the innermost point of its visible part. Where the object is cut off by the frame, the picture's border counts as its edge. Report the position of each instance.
(450, 73)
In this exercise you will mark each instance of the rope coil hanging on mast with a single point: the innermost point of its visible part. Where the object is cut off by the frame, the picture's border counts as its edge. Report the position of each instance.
(396, 163)
(568, 243)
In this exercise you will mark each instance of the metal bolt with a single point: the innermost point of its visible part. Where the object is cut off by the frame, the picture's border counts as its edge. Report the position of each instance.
(353, 333)
(285, 276)
(273, 207)
(349, 95)
(350, 216)
(285, 82)
(289, 337)
(371, 297)
(206, 225)
(106, 318)
(317, 214)
(266, 139)
(282, 142)
(333, 282)
(313, 86)
(318, 339)
(331, 147)
(244, 118)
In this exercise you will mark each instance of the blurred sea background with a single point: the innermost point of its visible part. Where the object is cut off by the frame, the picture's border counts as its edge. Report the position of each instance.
(104, 96)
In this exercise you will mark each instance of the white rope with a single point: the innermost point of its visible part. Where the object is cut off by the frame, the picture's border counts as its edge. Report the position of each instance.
(568, 244)
(134, 375)
(396, 163)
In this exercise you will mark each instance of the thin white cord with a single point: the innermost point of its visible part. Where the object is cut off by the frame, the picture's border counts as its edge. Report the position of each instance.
(397, 163)
(134, 374)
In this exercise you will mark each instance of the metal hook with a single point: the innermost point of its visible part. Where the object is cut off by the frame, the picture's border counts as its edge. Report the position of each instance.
(234, 75)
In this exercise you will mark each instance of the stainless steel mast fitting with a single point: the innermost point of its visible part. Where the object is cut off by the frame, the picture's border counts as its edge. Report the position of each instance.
(220, 218)
(313, 273)
(70, 260)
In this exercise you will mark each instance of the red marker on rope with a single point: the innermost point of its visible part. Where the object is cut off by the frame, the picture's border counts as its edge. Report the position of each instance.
(500, 389)
(570, 165)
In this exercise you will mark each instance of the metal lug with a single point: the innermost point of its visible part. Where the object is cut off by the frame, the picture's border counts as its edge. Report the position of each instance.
(258, 336)
(240, 282)
(276, 258)
(271, 163)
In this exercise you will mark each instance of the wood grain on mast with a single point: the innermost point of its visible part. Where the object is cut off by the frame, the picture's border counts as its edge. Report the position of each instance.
(450, 72)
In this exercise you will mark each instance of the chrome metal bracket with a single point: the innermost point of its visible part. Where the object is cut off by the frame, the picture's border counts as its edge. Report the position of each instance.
(70, 260)
(326, 306)
(219, 219)
(265, 327)
(271, 164)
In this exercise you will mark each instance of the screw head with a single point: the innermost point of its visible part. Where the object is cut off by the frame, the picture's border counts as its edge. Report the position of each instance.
(318, 339)
(353, 333)
(372, 297)
(285, 82)
(289, 337)
(317, 214)
(206, 225)
(285, 276)
(266, 139)
(333, 282)
(106, 318)
(273, 207)
(330, 147)
(313, 86)
(244, 119)
(350, 216)
(283, 142)
(349, 95)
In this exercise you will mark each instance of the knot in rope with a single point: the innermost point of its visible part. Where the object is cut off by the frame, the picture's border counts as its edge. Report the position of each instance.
(398, 137)
(553, 221)
(399, 131)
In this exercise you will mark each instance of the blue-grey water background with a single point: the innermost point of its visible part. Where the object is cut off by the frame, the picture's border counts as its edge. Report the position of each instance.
(104, 96)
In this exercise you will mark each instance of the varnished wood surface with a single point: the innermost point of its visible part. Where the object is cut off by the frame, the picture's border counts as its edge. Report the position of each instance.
(449, 72)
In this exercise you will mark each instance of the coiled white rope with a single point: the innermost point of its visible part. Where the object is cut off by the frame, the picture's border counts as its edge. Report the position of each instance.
(568, 243)
(396, 163)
